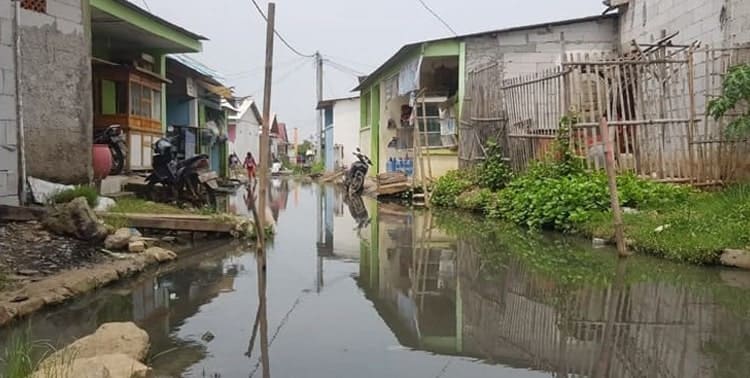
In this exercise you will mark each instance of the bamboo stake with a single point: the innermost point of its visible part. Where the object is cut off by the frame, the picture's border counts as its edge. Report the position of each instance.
(614, 198)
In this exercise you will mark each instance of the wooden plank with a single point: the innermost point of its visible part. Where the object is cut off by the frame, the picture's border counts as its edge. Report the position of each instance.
(195, 223)
(21, 213)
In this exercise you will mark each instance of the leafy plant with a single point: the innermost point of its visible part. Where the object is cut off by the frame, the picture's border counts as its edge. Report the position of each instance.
(67, 195)
(448, 187)
(475, 200)
(494, 173)
(735, 91)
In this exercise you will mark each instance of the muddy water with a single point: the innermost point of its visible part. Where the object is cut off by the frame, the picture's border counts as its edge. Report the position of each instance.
(421, 295)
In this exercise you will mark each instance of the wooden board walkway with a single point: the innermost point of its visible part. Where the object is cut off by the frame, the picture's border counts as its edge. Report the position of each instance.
(192, 223)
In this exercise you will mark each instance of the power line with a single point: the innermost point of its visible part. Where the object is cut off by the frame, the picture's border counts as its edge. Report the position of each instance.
(437, 16)
(284, 41)
(342, 68)
(286, 75)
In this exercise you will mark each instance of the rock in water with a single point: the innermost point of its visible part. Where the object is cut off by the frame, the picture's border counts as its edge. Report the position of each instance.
(160, 254)
(137, 246)
(120, 239)
(75, 219)
(110, 338)
(736, 257)
(104, 366)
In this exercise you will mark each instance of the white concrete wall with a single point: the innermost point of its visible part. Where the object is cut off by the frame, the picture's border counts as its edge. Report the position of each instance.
(8, 114)
(248, 135)
(528, 51)
(717, 23)
(346, 127)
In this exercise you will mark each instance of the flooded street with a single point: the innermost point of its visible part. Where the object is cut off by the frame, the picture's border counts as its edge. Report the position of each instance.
(412, 294)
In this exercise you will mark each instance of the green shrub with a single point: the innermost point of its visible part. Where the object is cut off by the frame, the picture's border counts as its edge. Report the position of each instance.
(449, 186)
(542, 198)
(494, 173)
(475, 200)
(68, 195)
(735, 91)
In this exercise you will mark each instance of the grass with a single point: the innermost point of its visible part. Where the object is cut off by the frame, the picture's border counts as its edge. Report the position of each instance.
(696, 231)
(22, 357)
(68, 195)
(136, 205)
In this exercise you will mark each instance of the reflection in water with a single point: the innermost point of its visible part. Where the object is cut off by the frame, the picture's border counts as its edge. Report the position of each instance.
(433, 295)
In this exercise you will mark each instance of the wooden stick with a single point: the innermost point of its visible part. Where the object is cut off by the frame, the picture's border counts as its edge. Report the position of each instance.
(614, 198)
(691, 125)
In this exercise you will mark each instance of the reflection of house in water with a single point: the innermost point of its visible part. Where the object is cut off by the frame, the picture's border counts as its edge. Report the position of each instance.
(519, 318)
(278, 196)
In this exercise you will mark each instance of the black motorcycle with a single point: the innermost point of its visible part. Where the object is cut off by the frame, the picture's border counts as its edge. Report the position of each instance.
(115, 139)
(354, 181)
(188, 180)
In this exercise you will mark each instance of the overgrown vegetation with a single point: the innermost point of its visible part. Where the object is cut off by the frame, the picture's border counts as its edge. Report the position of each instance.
(696, 230)
(68, 195)
(558, 193)
(735, 97)
(494, 174)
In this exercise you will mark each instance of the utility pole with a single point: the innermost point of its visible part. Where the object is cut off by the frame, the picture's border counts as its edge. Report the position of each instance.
(319, 92)
(263, 188)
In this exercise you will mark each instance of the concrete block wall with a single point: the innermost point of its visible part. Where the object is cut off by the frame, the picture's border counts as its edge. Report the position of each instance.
(8, 115)
(528, 51)
(716, 23)
(56, 87)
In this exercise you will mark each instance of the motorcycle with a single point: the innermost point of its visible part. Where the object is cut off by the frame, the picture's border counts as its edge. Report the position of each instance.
(115, 139)
(358, 211)
(354, 181)
(187, 180)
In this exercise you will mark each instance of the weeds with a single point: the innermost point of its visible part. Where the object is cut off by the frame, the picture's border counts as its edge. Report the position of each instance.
(136, 205)
(68, 195)
(696, 230)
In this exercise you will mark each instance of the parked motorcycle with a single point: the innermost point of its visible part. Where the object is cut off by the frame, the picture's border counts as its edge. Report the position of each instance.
(115, 139)
(354, 181)
(188, 180)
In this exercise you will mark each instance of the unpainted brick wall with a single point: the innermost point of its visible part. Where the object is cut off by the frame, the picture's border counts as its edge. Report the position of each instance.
(56, 87)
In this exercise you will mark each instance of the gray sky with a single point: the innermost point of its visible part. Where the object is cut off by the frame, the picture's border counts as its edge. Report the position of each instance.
(356, 33)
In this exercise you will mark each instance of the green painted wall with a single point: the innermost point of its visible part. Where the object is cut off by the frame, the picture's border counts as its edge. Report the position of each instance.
(109, 97)
(443, 48)
(165, 31)
(375, 130)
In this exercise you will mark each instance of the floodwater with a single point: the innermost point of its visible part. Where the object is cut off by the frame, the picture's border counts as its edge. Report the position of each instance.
(416, 294)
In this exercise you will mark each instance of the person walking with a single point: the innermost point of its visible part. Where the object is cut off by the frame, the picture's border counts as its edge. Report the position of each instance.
(250, 165)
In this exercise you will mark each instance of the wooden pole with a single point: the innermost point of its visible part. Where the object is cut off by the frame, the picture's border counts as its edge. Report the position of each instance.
(609, 161)
(263, 188)
(21, 134)
(264, 136)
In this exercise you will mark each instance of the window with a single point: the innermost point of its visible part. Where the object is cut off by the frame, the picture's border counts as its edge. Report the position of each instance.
(145, 102)
(429, 125)
(35, 5)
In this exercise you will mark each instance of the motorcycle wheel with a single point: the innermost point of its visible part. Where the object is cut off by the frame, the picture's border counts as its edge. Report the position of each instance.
(118, 162)
(357, 184)
(202, 194)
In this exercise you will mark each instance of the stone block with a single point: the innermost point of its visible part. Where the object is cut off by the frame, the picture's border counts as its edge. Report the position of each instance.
(65, 10)
(7, 57)
(6, 30)
(69, 27)
(35, 19)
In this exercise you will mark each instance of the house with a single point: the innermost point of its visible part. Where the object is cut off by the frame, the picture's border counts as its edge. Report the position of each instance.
(194, 109)
(279, 141)
(245, 122)
(437, 70)
(84, 65)
(130, 48)
(341, 118)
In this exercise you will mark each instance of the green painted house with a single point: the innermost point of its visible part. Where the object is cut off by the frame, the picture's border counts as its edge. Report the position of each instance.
(432, 68)
(129, 48)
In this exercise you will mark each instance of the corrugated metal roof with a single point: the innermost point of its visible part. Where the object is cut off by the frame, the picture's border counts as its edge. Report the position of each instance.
(197, 66)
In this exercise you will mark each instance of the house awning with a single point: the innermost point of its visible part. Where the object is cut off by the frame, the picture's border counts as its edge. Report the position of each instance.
(118, 25)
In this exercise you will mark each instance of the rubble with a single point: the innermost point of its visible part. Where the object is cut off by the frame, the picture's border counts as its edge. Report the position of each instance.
(75, 219)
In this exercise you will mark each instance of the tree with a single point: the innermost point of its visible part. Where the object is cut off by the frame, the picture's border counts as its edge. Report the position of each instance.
(735, 91)
(304, 147)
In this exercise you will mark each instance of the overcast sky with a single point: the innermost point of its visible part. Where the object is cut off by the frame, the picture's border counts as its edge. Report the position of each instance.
(357, 33)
